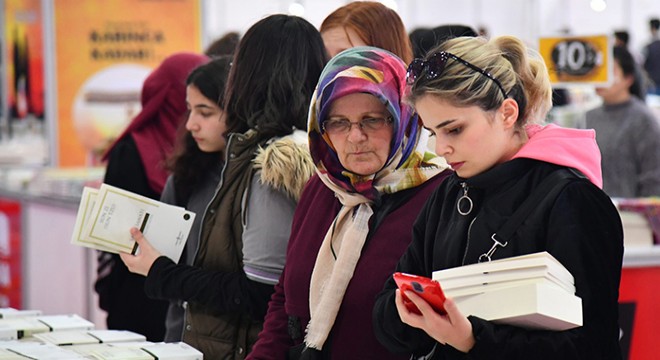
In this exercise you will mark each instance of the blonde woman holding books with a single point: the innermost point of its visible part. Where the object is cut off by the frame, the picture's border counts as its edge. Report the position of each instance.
(484, 102)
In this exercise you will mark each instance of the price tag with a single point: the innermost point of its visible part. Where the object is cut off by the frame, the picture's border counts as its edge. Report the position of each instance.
(578, 60)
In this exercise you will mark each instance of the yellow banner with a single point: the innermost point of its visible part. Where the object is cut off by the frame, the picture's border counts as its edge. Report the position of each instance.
(104, 51)
(577, 59)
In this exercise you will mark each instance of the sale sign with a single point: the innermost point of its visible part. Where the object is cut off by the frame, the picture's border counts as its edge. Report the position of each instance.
(576, 60)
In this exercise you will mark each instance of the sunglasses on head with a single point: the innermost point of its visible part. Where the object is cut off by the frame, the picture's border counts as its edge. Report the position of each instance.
(435, 65)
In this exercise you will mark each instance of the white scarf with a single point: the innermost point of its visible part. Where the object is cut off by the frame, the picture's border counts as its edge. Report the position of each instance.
(331, 276)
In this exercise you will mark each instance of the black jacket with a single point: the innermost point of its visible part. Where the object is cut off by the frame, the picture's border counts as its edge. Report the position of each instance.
(580, 227)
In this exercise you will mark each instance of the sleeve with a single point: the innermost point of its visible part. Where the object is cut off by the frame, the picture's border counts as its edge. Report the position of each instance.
(220, 291)
(169, 192)
(647, 147)
(265, 240)
(584, 233)
(396, 336)
(274, 340)
(269, 214)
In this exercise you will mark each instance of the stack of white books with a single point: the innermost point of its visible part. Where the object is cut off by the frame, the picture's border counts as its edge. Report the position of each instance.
(27, 334)
(27, 326)
(533, 291)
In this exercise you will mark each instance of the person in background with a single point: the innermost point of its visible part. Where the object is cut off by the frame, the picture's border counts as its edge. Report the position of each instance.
(246, 226)
(627, 132)
(426, 39)
(484, 101)
(225, 45)
(136, 162)
(622, 38)
(196, 162)
(370, 23)
(651, 54)
(372, 178)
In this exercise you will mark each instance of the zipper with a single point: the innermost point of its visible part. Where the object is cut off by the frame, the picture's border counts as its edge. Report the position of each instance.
(215, 195)
(467, 244)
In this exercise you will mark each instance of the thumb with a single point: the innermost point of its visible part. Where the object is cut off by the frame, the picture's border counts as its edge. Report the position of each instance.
(137, 235)
(451, 308)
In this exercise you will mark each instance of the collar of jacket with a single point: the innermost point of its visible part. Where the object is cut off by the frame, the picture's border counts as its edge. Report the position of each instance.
(497, 175)
(238, 144)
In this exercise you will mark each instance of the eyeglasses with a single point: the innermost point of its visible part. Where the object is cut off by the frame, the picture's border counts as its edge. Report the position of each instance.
(368, 125)
(435, 65)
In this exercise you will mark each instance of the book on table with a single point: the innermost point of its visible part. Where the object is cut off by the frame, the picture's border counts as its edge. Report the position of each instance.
(533, 291)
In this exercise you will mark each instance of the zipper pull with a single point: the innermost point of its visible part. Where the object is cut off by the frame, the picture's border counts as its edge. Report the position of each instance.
(462, 199)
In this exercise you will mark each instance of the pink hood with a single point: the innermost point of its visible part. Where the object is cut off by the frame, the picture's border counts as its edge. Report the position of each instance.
(567, 147)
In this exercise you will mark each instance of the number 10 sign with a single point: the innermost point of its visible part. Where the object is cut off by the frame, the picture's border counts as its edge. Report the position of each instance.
(578, 60)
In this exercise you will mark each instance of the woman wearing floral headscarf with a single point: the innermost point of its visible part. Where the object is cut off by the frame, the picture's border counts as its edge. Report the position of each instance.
(354, 219)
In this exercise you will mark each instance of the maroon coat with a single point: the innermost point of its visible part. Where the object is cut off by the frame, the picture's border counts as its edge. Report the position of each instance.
(352, 336)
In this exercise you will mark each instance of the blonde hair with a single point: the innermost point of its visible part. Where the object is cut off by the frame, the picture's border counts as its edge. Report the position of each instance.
(522, 73)
(375, 24)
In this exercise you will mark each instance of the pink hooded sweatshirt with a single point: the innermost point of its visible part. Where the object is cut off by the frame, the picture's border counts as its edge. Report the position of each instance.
(567, 147)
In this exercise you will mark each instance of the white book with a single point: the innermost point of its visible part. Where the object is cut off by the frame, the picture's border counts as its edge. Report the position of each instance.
(115, 336)
(24, 327)
(43, 351)
(110, 352)
(65, 322)
(8, 333)
(64, 338)
(7, 313)
(10, 355)
(173, 351)
(105, 217)
(532, 306)
(508, 269)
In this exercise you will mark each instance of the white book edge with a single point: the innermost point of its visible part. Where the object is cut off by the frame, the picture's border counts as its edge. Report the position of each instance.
(480, 288)
(501, 277)
(541, 259)
(173, 351)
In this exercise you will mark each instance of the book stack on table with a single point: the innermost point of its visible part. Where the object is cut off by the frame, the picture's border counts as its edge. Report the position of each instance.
(533, 291)
(28, 334)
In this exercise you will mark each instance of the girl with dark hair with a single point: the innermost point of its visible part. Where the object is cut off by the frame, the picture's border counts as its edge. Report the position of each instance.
(485, 101)
(628, 133)
(196, 162)
(136, 163)
(245, 227)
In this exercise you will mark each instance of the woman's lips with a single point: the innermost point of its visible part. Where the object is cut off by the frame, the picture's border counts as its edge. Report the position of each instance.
(456, 165)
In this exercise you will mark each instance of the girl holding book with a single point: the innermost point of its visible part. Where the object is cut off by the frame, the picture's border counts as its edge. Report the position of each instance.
(484, 102)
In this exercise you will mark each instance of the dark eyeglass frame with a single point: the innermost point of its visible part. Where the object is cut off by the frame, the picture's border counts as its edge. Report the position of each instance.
(387, 120)
(435, 65)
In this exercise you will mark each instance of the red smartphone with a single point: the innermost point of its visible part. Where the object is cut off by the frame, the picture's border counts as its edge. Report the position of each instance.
(427, 289)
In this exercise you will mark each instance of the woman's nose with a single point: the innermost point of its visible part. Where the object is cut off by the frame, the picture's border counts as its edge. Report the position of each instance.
(442, 147)
(355, 133)
(191, 124)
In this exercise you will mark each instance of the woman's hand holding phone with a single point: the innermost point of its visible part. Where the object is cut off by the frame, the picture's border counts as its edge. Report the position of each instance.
(426, 288)
(430, 311)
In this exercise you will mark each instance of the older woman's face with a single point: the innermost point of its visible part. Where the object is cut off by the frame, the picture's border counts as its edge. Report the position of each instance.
(363, 148)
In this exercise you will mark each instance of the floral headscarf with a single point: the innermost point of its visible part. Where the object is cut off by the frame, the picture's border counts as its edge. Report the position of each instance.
(381, 74)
